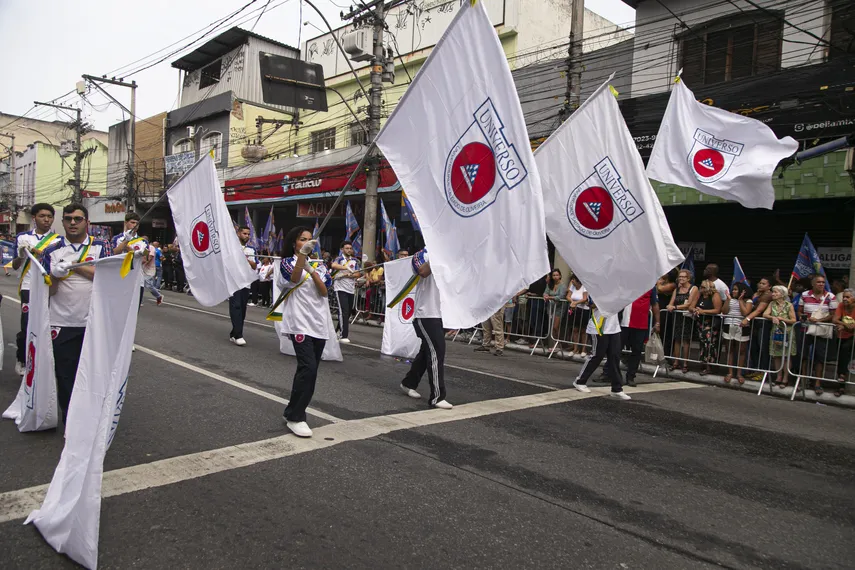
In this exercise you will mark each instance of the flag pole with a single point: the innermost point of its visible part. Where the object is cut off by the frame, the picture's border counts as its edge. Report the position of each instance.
(347, 186)
(34, 260)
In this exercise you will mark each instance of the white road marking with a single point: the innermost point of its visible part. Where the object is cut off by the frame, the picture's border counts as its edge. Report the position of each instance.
(18, 504)
(215, 314)
(234, 383)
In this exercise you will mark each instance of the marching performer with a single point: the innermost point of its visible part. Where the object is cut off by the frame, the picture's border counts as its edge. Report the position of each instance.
(605, 335)
(36, 241)
(70, 293)
(346, 267)
(305, 318)
(428, 325)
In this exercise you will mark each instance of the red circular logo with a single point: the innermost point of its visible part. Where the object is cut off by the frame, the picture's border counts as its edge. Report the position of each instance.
(54, 333)
(594, 208)
(707, 162)
(89, 259)
(201, 237)
(31, 364)
(473, 172)
(299, 338)
(408, 308)
(25, 308)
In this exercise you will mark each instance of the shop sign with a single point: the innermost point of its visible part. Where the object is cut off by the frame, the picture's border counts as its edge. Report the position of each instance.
(700, 248)
(835, 257)
(159, 223)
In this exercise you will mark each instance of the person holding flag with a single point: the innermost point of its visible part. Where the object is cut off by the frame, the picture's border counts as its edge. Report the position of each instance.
(345, 273)
(129, 242)
(36, 241)
(240, 298)
(605, 336)
(428, 325)
(305, 318)
(70, 292)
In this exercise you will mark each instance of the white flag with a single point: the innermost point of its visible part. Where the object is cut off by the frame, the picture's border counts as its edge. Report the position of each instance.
(332, 350)
(399, 337)
(717, 152)
(39, 407)
(602, 214)
(214, 262)
(70, 516)
(458, 143)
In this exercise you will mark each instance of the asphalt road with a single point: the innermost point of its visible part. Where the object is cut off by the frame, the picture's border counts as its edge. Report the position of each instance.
(522, 473)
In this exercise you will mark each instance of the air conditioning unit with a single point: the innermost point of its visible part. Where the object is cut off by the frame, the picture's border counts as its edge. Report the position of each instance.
(359, 44)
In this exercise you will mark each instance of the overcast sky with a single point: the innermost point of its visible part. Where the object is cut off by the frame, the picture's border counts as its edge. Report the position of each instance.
(48, 44)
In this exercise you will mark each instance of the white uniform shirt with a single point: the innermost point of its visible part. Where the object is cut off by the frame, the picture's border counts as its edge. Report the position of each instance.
(427, 293)
(69, 306)
(305, 311)
(138, 246)
(346, 284)
(30, 239)
(611, 325)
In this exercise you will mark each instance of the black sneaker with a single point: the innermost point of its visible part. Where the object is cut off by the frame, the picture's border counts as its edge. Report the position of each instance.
(499, 352)
(482, 349)
(630, 382)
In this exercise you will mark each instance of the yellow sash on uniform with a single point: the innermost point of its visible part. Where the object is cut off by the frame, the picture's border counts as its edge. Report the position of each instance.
(43, 244)
(275, 315)
(128, 262)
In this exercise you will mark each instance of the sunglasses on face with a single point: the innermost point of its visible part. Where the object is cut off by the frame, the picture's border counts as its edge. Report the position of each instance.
(75, 219)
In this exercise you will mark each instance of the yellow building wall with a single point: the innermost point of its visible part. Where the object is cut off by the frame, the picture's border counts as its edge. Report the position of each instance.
(54, 171)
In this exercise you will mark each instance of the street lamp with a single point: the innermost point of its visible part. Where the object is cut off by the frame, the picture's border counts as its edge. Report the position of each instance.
(307, 23)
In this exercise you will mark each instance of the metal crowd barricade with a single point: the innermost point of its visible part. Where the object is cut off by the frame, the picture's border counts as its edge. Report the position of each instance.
(370, 303)
(529, 324)
(821, 356)
(719, 341)
(567, 328)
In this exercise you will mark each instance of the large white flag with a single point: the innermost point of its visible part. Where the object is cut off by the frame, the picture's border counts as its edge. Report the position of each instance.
(458, 143)
(70, 516)
(601, 212)
(399, 337)
(39, 407)
(717, 152)
(332, 350)
(214, 262)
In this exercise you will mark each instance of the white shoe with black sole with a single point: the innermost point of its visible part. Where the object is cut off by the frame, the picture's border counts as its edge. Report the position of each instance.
(582, 388)
(300, 429)
(443, 405)
(620, 395)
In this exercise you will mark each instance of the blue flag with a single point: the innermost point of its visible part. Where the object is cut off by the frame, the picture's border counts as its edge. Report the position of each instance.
(268, 236)
(689, 263)
(317, 250)
(280, 241)
(247, 221)
(738, 274)
(808, 263)
(384, 218)
(351, 225)
(357, 245)
(408, 212)
(392, 245)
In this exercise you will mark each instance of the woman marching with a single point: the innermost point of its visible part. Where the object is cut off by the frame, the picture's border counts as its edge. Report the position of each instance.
(305, 313)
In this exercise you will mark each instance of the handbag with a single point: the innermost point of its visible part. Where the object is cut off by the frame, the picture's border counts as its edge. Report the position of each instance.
(821, 330)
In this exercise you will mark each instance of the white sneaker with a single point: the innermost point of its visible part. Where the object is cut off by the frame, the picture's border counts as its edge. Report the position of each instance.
(581, 388)
(443, 405)
(583, 354)
(410, 392)
(238, 341)
(344, 340)
(20, 369)
(571, 354)
(620, 395)
(250, 304)
(300, 429)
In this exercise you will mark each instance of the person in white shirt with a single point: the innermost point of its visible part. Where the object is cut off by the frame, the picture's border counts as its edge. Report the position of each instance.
(711, 274)
(305, 318)
(70, 293)
(428, 325)
(149, 271)
(265, 280)
(36, 241)
(129, 241)
(238, 301)
(606, 339)
(345, 272)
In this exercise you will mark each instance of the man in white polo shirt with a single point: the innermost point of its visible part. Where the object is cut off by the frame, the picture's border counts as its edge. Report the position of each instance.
(345, 272)
(37, 241)
(606, 338)
(70, 293)
(240, 299)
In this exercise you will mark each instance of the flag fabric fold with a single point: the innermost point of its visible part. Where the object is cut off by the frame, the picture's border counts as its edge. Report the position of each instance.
(69, 518)
(317, 250)
(409, 210)
(357, 245)
(214, 262)
(717, 152)
(471, 176)
(808, 263)
(601, 212)
(247, 221)
(268, 236)
(738, 273)
(392, 246)
(351, 225)
(386, 223)
(399, 336)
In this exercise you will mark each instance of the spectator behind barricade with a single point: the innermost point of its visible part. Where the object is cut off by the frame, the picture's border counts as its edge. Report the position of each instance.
(579, 314)
(555, 291)
(708, 324)
(403, 253)
(760, 328)
(265, 280)
(777, 280)
(537, 309)
(684, 297)
(837, 287)
(510, 308)
(711, 273)
(782, 317)
(844, 318)
(736, 308)
(798, 288)
(665, 286)
(816, 309)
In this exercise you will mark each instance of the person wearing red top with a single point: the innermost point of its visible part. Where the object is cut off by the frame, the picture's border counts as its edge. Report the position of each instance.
(634, 327)
(844, 319)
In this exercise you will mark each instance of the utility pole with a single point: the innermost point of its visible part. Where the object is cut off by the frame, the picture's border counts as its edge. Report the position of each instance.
(132, 127)
(13, 183)
(77, 190)
(572, 98)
